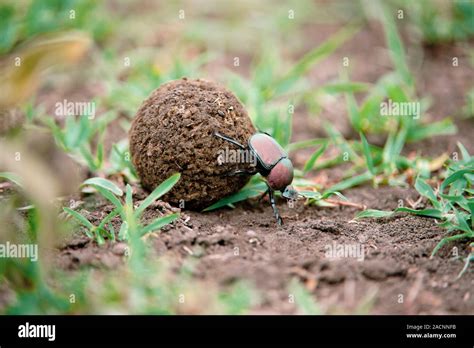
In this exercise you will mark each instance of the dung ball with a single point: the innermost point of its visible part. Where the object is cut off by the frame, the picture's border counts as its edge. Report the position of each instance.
(173, 131)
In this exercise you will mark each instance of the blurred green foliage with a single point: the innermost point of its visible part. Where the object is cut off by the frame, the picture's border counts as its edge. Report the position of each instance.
(22, 20)
(442, 20)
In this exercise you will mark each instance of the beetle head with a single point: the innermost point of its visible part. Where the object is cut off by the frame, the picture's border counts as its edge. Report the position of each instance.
(290, 193)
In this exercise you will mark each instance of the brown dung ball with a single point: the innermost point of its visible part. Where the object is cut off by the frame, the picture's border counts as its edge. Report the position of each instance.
(173, 131)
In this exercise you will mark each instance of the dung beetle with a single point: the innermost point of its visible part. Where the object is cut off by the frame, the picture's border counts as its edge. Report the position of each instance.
(272, 163)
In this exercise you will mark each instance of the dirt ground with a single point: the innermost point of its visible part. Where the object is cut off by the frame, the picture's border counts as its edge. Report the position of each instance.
(244, 243)
(397, 275)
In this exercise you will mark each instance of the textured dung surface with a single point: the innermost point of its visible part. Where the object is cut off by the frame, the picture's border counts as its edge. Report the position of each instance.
(173, 132)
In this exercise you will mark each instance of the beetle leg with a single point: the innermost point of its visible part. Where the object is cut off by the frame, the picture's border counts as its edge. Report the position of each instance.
(263, 196)
(230, 140)
(275, 209)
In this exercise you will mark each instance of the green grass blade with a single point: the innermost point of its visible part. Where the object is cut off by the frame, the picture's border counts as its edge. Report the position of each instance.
(457, 188)
(373, 213)
(159, 223)
(370, 108)
(443, 127)
(99, 238)
(85, 131)
(445, 240)
(104, 183)
(399, 142)
(100, 154)
(470, 204)
(311, 58)
(434, 213)
(395, 46)
(465, 154)
(129, 197)
(111, 198)
(389, 149)
(462, 223)
(340, 141)
(162, 189)
(305, 144)
(76, 132)
(86, 154)
(328, 194)
(123, 233)
(353, 111)
(343, 87)
(351, 182)
(368, 156)
(57, 132)
(454, 177)
(314, 157)
(310, 194)
(242, 195)
(426, 191)
(79, 218)
(109, 217)
(111, 232)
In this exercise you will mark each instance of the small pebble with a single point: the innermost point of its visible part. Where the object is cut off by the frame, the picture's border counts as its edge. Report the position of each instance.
(251, 233)
(119, 248)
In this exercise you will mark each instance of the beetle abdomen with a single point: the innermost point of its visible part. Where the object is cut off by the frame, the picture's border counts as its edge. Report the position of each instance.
(267, 149)
(281, 175)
